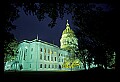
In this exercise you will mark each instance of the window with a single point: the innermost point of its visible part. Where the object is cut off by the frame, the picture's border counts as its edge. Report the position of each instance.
(30, 65)
(59, 54)
(40, 65)
(55, 58)
(40, 49)
(52, 52)
(55, 53)
(48, 58)
(48, 51)
(59, 59)
(20, 52)
(31, 56)
(40, 56)
(52, 66)
(51, 58)
(24, 55)
(62, 59)
(55, 66)
(45, 65)
(45, 50)
(49, 66)
(26, 50)
(44, 57)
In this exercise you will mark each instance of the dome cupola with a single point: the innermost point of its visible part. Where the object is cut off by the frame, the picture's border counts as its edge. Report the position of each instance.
(67, 30)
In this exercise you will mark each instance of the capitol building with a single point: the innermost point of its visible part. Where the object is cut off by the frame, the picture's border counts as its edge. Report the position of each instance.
(38, 55)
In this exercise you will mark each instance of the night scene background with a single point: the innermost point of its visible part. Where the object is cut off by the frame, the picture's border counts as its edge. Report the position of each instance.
(28, 27)
(95, 24)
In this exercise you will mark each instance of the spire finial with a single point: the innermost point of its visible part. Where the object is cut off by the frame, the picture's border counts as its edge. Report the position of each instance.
(37, 36)
(67, 23)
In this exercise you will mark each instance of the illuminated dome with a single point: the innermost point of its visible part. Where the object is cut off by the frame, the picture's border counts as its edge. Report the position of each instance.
(68, 39)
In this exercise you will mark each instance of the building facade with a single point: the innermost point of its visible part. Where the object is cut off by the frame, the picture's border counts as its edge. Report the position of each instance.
(38, 55)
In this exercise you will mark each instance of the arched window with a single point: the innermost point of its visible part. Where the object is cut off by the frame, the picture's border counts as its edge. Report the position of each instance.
(40, 65)
(59, 54)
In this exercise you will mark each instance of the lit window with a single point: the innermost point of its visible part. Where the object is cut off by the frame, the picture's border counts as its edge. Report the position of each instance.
(48, 51)
(52, 52)
(26, 47)
(45, 50)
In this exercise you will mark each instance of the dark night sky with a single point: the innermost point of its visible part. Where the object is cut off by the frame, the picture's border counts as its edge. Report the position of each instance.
(28, 27)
